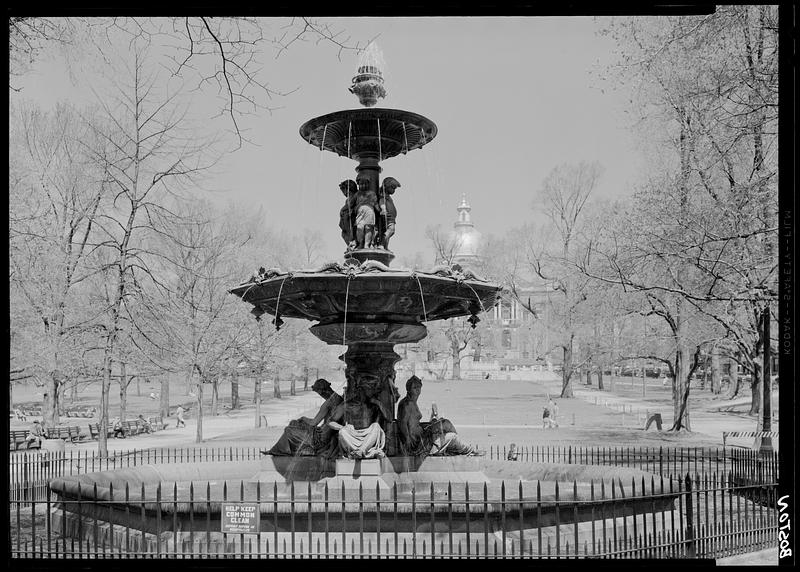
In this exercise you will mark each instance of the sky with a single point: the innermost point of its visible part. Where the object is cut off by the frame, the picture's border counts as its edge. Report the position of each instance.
(512, 97)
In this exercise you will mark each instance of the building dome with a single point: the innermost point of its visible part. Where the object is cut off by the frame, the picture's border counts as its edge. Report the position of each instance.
(465, 238)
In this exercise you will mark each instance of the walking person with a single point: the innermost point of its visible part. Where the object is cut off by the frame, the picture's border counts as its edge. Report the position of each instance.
(553, 407)
(179, 414)
(547, 421)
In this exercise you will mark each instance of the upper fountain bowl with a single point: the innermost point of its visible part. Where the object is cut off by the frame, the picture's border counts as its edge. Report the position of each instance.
(370, 132)
(368, 296)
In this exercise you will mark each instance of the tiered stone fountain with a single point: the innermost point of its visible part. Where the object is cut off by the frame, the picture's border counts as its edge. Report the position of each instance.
(368, 306)
(362, 302)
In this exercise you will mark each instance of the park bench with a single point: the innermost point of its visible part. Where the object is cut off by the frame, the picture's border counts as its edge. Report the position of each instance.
(71, 434)
(141, 426)
(129, 428)
(18, 438)
(84, 413)
(157, 423)
(94, 431)
(134, 427)
(75, 434)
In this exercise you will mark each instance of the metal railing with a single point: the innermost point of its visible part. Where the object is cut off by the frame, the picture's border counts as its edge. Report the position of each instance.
(30, 469)
(707, 515)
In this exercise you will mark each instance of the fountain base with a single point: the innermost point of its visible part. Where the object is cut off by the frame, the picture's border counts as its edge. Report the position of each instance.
(172, 507)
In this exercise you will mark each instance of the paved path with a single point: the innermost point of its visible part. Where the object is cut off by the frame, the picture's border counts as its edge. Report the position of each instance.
(706, 421)
(768, 557)
(278, 413)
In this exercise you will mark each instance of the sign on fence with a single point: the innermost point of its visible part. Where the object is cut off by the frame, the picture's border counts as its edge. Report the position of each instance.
(240, 517)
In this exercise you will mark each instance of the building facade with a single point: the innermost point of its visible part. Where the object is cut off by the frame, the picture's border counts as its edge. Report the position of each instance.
(509, 341)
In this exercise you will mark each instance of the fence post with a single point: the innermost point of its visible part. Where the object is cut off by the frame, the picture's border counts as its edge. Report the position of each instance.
(690, 545)
(25, 478)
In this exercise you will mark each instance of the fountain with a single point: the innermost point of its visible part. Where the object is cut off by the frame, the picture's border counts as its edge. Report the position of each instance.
(363, 303)
(368, 306)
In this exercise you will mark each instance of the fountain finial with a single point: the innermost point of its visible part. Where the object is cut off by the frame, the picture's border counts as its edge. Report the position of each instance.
(368, 83)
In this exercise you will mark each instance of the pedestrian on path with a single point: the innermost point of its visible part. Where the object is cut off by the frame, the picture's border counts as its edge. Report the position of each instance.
(179, 414)
(553, 407)
(547, 421)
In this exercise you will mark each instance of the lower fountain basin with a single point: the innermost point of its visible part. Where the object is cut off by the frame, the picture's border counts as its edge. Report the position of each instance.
(305, 493)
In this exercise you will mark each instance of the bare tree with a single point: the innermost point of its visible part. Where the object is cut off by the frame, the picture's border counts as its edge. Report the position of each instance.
(223, 57)
(312, 244)
(551, 255)
(207, 322)
(445, 244)
(54, 194)
(146, 157)
(451, 338)
(29, 36)
(709, 85)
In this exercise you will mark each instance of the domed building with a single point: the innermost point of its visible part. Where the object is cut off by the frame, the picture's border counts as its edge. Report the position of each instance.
(512, 340)
(464, 237)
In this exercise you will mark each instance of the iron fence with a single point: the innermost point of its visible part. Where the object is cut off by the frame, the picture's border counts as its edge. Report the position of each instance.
(32, 470)
(707, 515)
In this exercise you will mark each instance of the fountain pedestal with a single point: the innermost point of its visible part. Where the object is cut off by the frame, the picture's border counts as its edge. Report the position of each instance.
(361, 255)
(358, 467)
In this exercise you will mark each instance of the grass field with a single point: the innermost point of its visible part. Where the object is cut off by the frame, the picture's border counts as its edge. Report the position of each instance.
(485, 412)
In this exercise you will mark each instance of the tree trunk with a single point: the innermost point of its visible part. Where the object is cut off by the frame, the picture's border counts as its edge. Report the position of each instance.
(235, 392)
(755, 389)
(600, 378)
(276, 387)
(257, 400)
(305, 378)
(51, 401)
(215, 395)
(566, 373)
(716, 374)
(189, 377)
(293, 385)
(73, 395)
(102, 443)
(199, 435)
(164, 405)
(680, 392)
(735, 384)
(138, 386)
(456, 363)
(123, 393)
